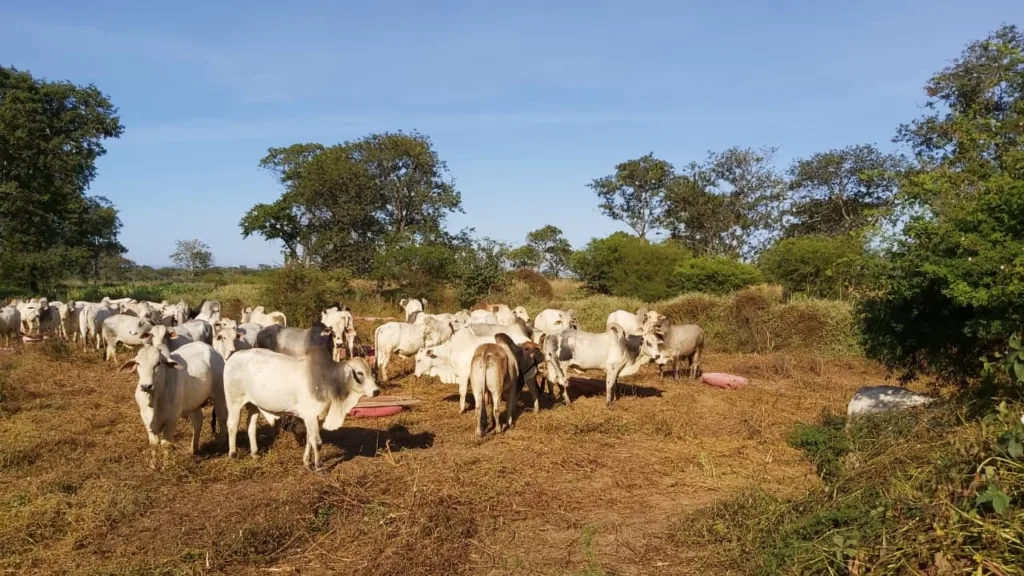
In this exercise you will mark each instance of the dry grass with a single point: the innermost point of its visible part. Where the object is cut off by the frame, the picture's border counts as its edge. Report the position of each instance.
(577, 490)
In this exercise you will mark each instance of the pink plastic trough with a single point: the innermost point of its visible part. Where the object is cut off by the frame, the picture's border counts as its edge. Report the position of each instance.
(724, 381)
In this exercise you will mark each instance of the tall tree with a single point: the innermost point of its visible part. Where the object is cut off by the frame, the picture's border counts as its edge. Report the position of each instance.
(728, 205)
(635, 193)
(51, 134)
(554, 250)
(842, 191)
(953, 287)
(344, 205)
(192, 256)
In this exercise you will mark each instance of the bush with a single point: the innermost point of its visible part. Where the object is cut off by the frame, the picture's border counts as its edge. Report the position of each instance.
(816, 265)
(624, 265)
(303, 293)
(714, 276)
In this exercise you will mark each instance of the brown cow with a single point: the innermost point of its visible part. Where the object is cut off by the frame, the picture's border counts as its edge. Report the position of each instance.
(503, 367)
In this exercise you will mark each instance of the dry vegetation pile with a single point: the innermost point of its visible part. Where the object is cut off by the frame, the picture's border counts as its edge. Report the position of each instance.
(571, 490)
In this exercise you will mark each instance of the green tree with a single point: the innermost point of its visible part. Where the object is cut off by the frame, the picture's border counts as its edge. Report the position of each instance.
(51, 134)
(842, 191)
(635, 193)
(624, 265)
(713, 275)
(192, 256)
(817, 265)
(525, 256)
(728, 205)
(953, 289)
(553, 249)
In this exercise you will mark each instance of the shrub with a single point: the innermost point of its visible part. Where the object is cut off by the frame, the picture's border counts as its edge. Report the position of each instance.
(714, 276)
(624, 265)
(302, 293)
(816, 265)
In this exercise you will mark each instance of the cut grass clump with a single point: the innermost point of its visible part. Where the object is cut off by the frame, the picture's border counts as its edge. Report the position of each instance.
(909, 493)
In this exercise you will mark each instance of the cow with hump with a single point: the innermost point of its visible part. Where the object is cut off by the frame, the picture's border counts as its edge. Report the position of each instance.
(614, 351)
(501, 368)
(407, 339)
(312, 387)
(173, 385)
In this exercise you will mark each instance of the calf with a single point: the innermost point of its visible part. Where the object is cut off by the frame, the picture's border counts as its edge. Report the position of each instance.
(406, 340)
(501, 368)
(682, 341)
(313, 388)
(614, 351)
(175, 385)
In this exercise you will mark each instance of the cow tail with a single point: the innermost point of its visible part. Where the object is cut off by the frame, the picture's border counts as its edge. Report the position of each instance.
(376, 349)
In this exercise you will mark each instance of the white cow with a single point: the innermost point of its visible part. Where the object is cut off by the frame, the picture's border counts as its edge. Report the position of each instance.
(209, 311)
(450, 361)
(412, 305)
(876, 399)
(72, 320)
(551, 321)
(91, 319)
(456, 319)
(227, 339)
(10, 323)
(260, 316)
(48, 316)
(505, 315)
(312, 387)
(406, 340)
(483, 317)
(643, 321)
(196, 331)
(343, 329)
(681, 341)
(248, 332)
(174, 385)
(131, 331)
(614, 351)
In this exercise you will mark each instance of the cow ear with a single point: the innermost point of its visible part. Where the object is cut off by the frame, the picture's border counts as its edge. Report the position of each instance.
(172, 363)
(431, 354)
(173, 334)
(128, 366)
(326, 331)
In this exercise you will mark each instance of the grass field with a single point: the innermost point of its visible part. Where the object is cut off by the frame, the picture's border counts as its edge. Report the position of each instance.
(582, 490)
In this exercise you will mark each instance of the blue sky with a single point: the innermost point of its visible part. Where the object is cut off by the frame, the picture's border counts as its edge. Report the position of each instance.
(526, 101)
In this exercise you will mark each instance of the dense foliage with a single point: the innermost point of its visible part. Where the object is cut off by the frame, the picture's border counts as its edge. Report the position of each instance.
(51, 134)
(718, 275)
(820, 266)
(624, 265)
(953, 290)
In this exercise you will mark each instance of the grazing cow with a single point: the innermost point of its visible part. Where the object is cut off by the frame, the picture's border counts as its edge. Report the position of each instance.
(482, 317)
(10, 323)
(614, 351)
(501, 369)
(91, 320)
(295, 341)
(876, 399)
(551, 322)
(406, 340)
(451, 361)
(313, 388)
(412, 305)
(643, 321)
(131, 331)
(260, 316)
(681, 341)
(174, 385)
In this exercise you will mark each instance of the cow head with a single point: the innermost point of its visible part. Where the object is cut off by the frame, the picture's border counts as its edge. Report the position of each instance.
(571, 321)
(403, 302)
(652, 344)
(521, 313)
(151, 363)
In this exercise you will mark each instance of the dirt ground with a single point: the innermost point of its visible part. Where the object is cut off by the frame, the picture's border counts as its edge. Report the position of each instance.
(582, 490)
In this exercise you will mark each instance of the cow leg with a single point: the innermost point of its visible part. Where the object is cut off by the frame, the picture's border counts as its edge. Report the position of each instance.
(254, 415)
(196, 416)
(661, 372)
(610, 382)
(481, 421)
(510, 402)
(312, 441)
(234, 414)
(463, 390)
(532, 385)
(675, 367)
(166, 440)
(154, 441)
(695, 363)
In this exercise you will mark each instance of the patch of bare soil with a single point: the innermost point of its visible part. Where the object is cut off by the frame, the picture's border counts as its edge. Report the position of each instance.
(571, 490)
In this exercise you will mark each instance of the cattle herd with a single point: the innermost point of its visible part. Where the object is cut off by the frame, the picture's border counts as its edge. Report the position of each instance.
(186, 358)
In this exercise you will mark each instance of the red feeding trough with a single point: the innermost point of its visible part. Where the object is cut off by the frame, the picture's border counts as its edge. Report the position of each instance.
(724, 381)
(380, 406)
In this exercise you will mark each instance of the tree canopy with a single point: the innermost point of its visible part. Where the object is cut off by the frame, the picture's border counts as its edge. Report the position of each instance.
(635, 193)
(51, 134)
